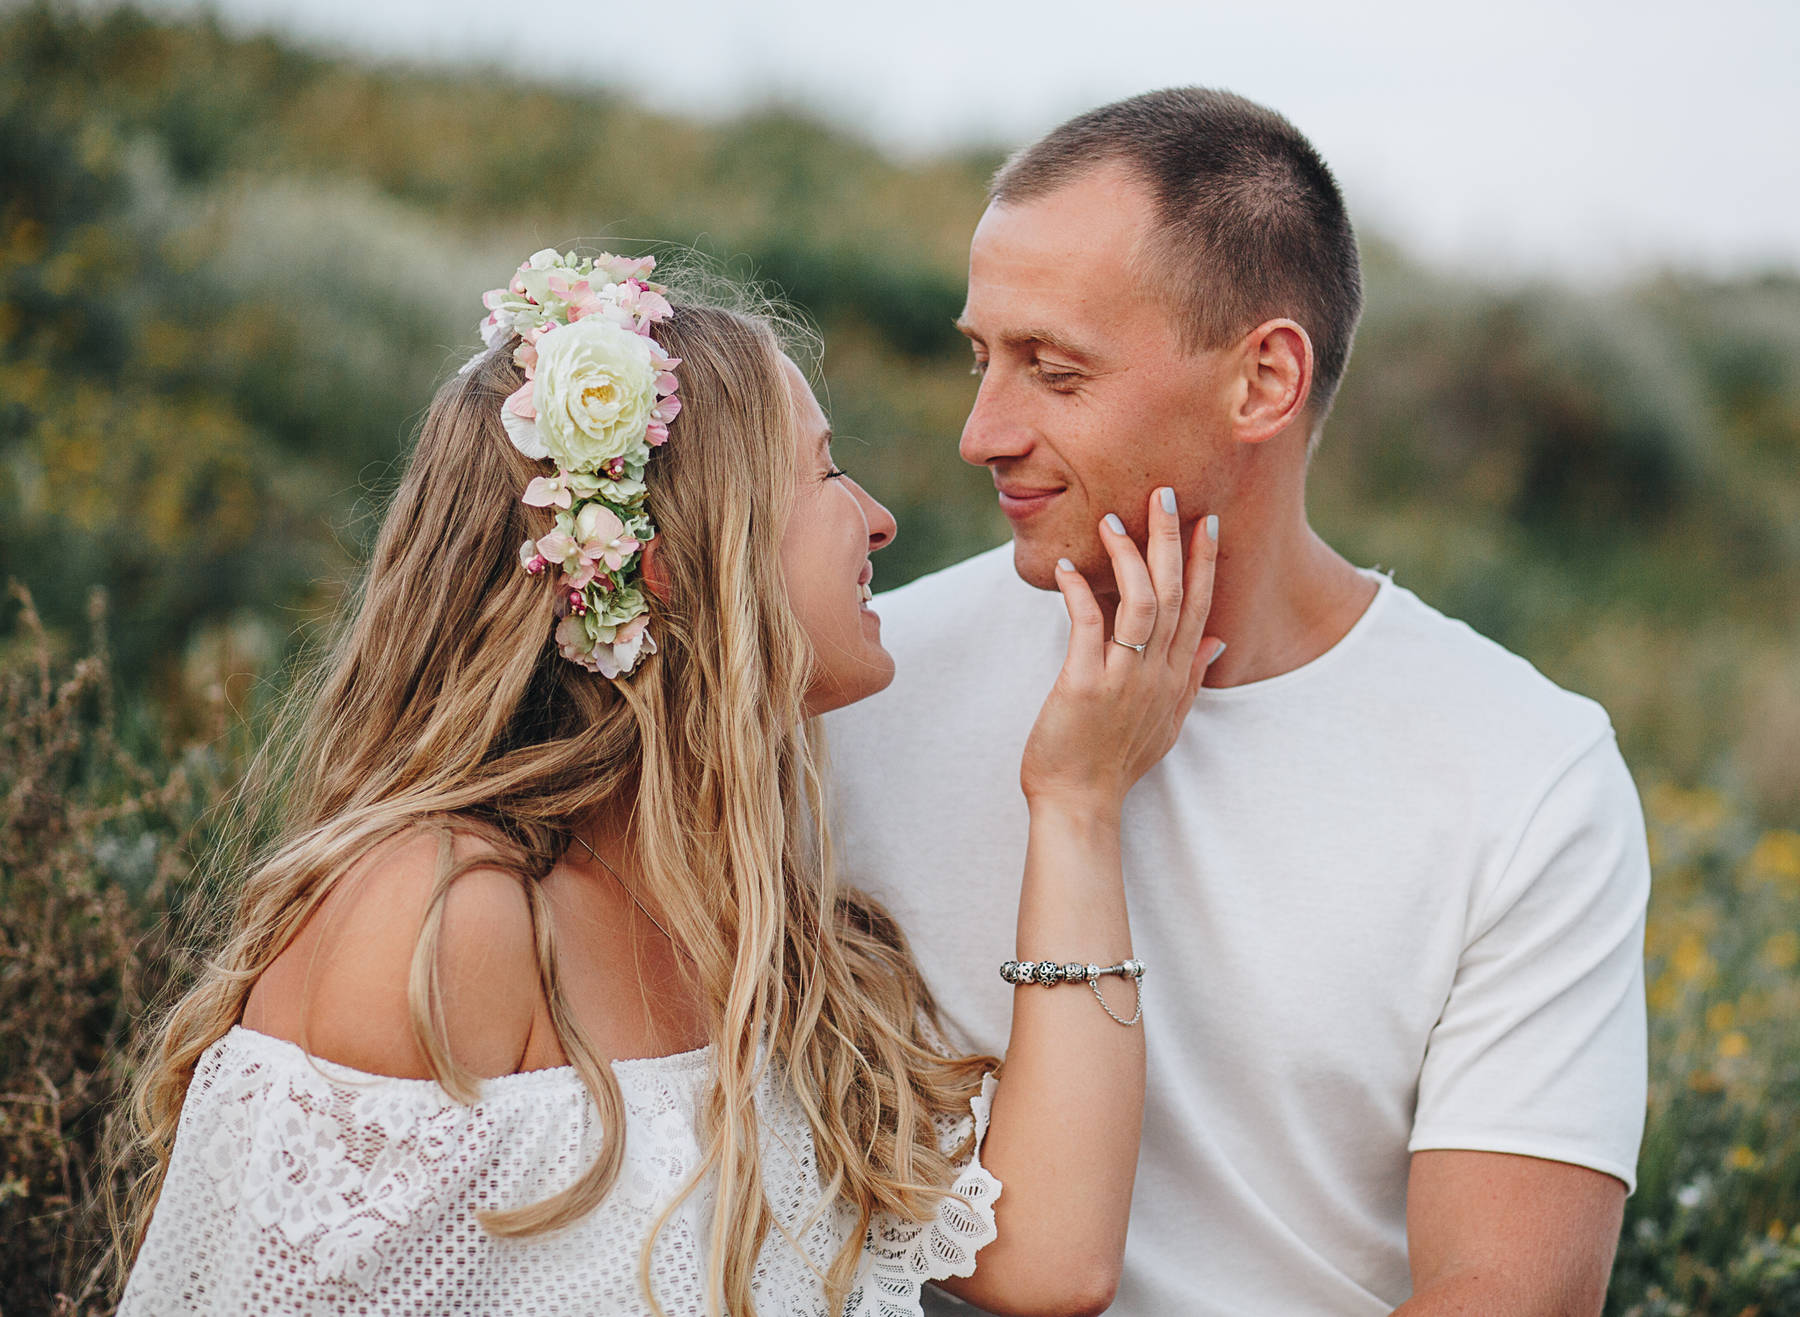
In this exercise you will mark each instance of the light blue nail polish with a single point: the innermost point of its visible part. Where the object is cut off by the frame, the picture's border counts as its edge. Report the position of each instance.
(1212, 528)
(1215, 658)
(1168, 500)
(1113, 524)
(1063, 564)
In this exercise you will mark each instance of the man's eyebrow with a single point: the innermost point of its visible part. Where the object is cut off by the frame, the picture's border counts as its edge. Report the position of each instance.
(1024, 338)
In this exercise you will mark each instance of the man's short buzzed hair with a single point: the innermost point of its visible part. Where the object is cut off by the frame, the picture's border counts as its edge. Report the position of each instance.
(1250, 224)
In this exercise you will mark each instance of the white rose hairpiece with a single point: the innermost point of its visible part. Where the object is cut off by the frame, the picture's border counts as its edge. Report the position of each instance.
(599, 394)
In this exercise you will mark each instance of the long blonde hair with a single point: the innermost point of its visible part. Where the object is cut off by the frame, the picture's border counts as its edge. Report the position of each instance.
(443, 701)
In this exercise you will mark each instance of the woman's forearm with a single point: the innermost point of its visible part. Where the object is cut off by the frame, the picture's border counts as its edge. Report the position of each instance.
(1063, 1134)
(1063, 1137)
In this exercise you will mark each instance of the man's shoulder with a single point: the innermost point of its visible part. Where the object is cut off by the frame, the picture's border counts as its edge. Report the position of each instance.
(1468, 685)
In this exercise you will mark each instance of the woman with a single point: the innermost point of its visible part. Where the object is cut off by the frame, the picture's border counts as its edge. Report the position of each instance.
(547, 999)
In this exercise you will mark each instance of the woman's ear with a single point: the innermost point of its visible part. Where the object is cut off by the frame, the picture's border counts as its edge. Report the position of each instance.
(656, 580)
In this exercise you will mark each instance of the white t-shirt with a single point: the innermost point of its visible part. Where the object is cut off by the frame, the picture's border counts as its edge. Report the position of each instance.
(1391, 900)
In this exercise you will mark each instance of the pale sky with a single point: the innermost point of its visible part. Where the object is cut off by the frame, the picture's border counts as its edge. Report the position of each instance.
(1581, 138)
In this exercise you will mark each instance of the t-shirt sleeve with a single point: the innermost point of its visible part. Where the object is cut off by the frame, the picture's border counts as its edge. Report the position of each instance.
(1541, 1047)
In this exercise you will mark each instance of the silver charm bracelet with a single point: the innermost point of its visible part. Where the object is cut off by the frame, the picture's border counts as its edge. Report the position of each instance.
(1051, 972)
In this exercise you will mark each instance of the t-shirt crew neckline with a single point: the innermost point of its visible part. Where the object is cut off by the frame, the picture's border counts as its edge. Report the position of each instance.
(1323, 663)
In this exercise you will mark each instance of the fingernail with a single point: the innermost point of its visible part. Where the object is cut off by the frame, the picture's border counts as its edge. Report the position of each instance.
(1064, 565)
(1113, 524)
(1212, 528)
(1168, 499)
(1215, 658)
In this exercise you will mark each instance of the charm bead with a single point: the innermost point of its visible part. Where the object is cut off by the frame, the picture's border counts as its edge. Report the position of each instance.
(1049, 973)
(1010, 971)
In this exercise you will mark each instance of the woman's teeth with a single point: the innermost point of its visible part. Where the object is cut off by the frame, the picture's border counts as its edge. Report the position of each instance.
(867, 593)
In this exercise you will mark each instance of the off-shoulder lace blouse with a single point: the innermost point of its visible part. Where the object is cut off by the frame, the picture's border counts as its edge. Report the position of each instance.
(300, 1186)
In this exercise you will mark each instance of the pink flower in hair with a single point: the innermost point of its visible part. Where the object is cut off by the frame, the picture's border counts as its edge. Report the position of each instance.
(603, 536)
(580, 297)
(599, 537)
(519, 403)
(548, 492)
(574, 643)
(651, 305)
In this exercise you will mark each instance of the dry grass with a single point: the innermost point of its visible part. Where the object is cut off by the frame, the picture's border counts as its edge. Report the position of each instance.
(95, 855)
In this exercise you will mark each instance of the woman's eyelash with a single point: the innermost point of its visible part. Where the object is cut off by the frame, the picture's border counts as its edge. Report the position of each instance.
(834, 473)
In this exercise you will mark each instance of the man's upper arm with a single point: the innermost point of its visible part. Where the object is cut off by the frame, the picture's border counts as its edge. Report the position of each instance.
(1540, 1050)
(1531, 1095)
(1492, 1232)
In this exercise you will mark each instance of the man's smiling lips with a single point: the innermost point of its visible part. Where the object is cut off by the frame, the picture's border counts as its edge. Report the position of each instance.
(1019, 501)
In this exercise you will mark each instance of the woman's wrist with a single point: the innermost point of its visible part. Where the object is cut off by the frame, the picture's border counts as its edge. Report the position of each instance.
(1086, 808)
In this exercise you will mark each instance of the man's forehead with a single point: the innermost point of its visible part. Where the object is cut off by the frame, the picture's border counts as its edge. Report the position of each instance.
(1060, 258)
(1105, 209)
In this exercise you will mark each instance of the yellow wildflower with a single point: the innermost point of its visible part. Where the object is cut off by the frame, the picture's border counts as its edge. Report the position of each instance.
(1777, 855)
(1734, 1044)
(1664, 995)
(1697, 809)
(1719, 1016)
(1742, 1159)
(1690, 958)
(1783, 950)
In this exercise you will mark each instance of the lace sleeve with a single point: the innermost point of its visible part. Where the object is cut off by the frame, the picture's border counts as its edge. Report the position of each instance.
(902, 1255)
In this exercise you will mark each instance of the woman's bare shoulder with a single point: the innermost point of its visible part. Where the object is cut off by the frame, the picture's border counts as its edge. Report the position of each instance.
(340, 989)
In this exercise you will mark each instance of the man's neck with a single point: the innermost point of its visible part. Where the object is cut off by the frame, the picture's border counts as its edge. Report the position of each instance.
(1280, 604)
(1281, 596)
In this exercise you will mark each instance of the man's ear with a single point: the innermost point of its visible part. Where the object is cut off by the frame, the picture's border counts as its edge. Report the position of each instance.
(1275, 380)
(656, 580)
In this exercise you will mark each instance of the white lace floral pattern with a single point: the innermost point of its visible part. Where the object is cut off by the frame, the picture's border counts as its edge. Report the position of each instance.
(298, 1186)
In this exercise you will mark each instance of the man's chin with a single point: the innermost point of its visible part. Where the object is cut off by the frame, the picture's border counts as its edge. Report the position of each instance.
(1036, 566)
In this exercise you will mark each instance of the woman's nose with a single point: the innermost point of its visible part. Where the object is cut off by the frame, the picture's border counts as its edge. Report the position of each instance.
(882, 526)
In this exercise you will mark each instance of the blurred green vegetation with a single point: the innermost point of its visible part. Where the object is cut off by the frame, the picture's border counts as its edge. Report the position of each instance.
(207, 375)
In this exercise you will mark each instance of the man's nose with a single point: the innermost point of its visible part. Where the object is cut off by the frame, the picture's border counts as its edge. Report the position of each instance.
(994, 429)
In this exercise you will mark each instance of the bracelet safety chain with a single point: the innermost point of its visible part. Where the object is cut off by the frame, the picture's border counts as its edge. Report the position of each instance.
(1052, 972)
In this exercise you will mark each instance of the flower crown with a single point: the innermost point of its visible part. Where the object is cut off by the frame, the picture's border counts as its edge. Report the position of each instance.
(599, 394)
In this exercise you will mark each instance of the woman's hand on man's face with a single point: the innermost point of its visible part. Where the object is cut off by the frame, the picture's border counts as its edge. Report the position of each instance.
(1116, 708)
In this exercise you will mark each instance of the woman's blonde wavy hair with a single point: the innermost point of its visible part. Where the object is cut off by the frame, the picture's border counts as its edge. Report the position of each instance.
(443, 703)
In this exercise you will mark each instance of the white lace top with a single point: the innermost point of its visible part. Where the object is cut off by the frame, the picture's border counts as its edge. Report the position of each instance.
(300, 1186)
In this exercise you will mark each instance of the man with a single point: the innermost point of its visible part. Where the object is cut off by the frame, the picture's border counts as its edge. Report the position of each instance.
(1390, 883)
